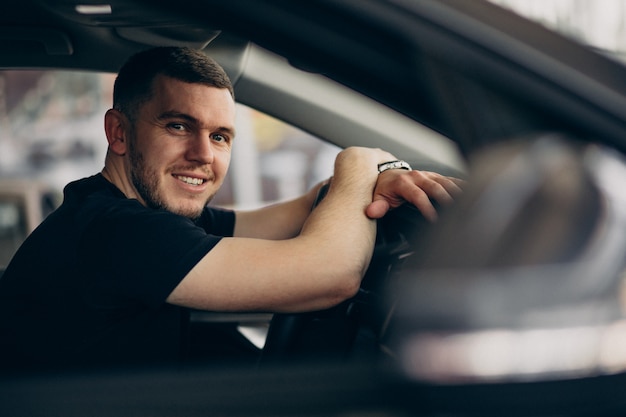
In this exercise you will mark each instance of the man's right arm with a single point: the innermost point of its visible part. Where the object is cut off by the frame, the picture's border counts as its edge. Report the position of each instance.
(320, 267)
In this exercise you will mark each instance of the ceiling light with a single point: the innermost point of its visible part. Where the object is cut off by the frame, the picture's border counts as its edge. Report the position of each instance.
(90, 9)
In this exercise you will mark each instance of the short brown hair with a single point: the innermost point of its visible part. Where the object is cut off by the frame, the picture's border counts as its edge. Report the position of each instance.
(133, 85)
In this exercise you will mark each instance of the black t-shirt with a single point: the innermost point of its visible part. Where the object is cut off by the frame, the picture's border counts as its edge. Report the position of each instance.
(88, 287)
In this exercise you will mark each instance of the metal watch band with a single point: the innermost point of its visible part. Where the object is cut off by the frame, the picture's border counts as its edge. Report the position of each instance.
(397, 164)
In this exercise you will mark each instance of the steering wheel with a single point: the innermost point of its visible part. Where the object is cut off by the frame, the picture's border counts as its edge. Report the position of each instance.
(350, 328)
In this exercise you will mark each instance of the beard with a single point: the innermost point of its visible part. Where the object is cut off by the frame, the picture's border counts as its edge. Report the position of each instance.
(146, 181)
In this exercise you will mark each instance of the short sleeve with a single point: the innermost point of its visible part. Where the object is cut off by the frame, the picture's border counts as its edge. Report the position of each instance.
(140, 254)
(218, 221)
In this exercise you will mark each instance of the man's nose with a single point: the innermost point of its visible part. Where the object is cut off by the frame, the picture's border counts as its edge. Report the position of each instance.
(201, 149)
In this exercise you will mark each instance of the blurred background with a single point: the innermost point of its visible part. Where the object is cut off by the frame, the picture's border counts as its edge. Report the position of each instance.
(600, 24)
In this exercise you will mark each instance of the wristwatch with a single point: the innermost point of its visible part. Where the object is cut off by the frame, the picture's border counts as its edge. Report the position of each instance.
(397, 164)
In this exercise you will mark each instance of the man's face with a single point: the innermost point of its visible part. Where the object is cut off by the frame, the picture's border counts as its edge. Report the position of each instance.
(179, 151)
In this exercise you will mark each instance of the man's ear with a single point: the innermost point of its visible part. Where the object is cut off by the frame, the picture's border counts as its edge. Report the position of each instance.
(115, 127)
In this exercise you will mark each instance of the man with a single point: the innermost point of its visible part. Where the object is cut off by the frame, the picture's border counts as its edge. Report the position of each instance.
(109, 277)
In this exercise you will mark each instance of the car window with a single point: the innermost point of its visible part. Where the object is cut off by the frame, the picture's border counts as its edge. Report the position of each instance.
(51, 133)
(600, 24)
(272, 161)
(13, 228)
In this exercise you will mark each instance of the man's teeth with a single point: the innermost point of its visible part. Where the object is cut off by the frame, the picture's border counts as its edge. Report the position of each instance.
(190, 180)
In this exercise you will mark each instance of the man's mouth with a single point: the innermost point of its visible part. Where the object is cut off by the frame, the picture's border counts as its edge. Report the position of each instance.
(190, 180)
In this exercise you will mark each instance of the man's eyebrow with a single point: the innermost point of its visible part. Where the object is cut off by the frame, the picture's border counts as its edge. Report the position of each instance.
(227, 130)
(176, 115)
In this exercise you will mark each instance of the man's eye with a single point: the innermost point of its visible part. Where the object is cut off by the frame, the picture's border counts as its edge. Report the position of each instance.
(177, 127)
(220, 138)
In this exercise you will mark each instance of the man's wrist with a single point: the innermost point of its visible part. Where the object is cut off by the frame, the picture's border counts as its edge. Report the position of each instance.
(396, 164)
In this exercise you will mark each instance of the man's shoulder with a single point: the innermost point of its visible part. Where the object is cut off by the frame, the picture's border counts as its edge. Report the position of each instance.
(95, 185)
(96, 195)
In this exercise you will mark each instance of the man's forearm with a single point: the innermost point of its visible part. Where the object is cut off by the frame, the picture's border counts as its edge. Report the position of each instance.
(279, 221)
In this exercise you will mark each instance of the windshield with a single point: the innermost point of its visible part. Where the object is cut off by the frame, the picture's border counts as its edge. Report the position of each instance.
(599, 24)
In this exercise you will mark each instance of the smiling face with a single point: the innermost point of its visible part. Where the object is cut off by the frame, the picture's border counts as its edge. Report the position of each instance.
(180, 145)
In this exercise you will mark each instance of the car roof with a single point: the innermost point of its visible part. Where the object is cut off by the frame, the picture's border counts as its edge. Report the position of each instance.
(470, 71)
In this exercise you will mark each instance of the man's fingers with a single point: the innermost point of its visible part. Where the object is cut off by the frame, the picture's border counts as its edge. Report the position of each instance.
(452, 185)
(377, 209)
(419, 188)
(422, 202)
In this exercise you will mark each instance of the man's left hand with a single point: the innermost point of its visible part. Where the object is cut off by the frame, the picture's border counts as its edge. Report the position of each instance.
(398, 186)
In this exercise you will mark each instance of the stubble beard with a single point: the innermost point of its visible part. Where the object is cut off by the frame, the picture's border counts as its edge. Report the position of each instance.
(146, 182)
